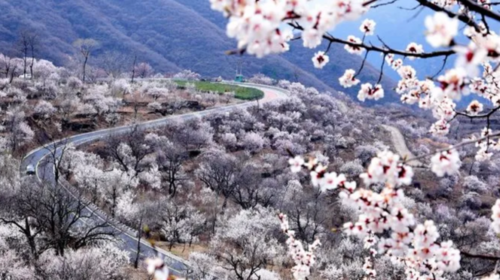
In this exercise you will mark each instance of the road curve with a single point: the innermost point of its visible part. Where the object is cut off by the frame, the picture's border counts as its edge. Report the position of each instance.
(44, 171)
(399, 143)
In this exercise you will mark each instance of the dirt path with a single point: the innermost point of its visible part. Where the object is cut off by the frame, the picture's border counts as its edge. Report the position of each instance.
(400, 145)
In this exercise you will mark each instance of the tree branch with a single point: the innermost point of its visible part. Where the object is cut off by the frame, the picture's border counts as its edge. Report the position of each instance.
(462, 17)
(483, 257)
(494, 135)
(472, 6)
(386, 50)
(483, 116)
(384, 4)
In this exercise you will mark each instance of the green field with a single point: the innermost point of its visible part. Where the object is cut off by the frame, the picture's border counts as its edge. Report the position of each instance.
(239, 92)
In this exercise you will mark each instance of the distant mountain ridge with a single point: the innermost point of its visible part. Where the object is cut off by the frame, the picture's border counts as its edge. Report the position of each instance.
(171, 35)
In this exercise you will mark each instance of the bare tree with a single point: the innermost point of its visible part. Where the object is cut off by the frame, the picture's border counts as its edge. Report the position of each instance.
(170, 159)
(52, 218)
(56, 152)
(28, 43)
(307, 218)
(143, 70)
(24, 50)
(33, 45)
(129, 151)
(133, 69)
(219, 172)
(85, 47)
(113, 63)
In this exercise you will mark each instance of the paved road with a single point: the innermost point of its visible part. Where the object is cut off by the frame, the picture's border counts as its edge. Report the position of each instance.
(399, 143)
(40, 159)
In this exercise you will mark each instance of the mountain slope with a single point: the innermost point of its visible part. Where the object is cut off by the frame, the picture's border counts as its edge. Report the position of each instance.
(169, 34)
(301, 57)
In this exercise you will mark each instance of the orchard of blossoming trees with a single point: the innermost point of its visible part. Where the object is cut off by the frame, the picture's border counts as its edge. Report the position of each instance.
(387, 227)
(304, 187)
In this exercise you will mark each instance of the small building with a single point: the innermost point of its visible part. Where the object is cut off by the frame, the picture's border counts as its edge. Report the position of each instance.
(239, 78)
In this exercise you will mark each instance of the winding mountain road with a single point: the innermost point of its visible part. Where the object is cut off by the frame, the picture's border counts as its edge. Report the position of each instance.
(40, 158)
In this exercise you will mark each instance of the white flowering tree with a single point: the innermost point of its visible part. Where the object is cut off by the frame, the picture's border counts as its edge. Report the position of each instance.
(180, 223)
(43, 69)
(44, 109)
(143, 70)
(100, 262)
(187, 75)
(19, 131)
(129, 153)
(171, 157)
(11, 262)
(383, 220)
(245, 245)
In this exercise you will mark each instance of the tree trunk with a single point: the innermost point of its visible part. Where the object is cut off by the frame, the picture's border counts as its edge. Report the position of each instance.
(215, 211)
(172, 189)
(136, 109)
(31, 240)
(136, 262)
(7, 69)
(84, 66)
(113, 206)
(12, 74)
(25, 60)
(133, 69)
(31, 68)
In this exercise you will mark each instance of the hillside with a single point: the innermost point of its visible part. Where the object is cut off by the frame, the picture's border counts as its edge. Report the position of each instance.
(170, 35)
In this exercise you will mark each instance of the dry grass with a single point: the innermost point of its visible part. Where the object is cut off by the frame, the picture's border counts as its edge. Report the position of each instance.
(432, 143)
(183, 251)
(135, 274)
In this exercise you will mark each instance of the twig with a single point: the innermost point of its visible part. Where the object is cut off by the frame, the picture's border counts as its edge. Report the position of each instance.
(453, 147)
(484, 257)
(480, 9)
(381, 69)
(462, 17)
(383, 4)
(362, 64)
(442, 67)
(386, 50)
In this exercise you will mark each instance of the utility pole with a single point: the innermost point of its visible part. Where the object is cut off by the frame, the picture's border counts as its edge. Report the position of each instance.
(239, 71)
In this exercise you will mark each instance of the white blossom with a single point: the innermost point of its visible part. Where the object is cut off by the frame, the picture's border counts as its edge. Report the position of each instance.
(157, 268)
(474, 108)
(296, 164)
(441, 29)
(368, 91)
(414, 48)
(348, 79)
(320, 59)
(354, 49)
(446, 162)
(367, 27)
